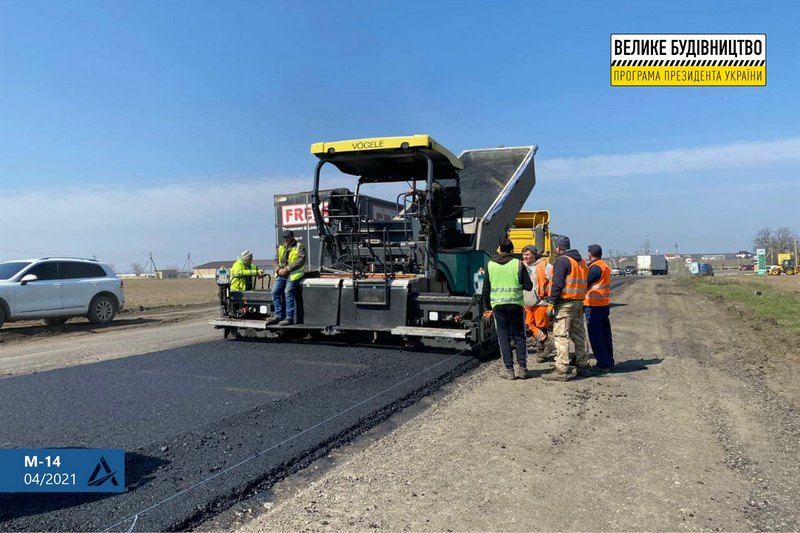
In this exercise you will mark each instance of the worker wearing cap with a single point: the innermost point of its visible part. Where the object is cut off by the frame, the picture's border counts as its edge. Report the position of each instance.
(244, 273)
(567, 291)
(596, 308)
(290, 262)
(502, 294)
(536, 319)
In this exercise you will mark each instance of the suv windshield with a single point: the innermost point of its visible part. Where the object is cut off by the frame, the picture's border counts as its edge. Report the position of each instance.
(10, 269)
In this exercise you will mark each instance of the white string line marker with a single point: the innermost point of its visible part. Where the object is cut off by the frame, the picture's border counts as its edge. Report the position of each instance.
(135, 516)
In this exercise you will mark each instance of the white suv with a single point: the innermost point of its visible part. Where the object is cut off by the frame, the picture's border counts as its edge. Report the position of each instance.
(57, 289)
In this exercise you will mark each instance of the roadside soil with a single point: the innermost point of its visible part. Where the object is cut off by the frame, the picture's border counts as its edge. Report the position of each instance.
(35, 330)
(148, 302)
(698, 430)
(27, 347)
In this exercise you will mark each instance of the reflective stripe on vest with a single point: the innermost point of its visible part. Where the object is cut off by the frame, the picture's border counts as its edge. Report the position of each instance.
(504, 283)
(297, 273)
(599, 293)
(575, 283)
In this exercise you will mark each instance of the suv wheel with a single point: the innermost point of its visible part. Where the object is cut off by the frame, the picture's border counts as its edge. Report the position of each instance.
(102, 310)
(55, 321)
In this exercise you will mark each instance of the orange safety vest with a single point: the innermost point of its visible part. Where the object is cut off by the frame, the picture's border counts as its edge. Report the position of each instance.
(599, 293)
(542, 280)
(575, 283)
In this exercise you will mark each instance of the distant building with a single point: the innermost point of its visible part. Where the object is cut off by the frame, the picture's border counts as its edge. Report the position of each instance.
(743, 254)
(209, 270)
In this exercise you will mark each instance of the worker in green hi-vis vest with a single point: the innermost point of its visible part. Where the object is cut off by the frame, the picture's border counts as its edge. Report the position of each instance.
(290, 263)
(502, 295)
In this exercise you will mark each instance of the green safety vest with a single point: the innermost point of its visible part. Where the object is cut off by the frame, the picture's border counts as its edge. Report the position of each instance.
(297, 273)
(243, 276)
(504, 283)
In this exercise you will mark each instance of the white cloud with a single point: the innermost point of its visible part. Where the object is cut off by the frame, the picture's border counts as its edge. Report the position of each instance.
(212, 220)
(215, 220)
(672, 161)
(124, 224)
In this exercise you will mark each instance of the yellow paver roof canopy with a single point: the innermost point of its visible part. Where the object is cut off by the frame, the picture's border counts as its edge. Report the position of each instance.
(389, 158)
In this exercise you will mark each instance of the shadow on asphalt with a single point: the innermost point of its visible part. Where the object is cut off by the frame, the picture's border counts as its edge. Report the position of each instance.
(635, 365)
(302, 337)
(139, 471)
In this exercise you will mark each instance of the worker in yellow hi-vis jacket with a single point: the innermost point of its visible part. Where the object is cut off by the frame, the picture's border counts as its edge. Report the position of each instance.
(244, 273)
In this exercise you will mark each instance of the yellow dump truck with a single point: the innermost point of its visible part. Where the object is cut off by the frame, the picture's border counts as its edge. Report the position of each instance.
(532, 227)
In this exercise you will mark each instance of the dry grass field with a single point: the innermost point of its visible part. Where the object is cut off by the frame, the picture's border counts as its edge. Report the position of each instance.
(774, 299)
(145, 294)
(784, 284)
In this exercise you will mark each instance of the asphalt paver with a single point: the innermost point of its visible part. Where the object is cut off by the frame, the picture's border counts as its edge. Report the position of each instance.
(203, 426)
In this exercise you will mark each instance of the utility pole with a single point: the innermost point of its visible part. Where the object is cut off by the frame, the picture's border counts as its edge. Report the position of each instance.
(676, 258)
(151, 264)
(188, 266)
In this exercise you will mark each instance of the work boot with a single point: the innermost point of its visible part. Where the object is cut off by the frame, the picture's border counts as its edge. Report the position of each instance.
(558, 375)
(286, 322)
(274, 320)
(583, 371)
(602, 369)
(522, 372)
(507, 373)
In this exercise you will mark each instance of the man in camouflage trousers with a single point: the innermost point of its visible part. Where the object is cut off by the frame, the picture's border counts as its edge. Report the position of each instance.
(567, 291)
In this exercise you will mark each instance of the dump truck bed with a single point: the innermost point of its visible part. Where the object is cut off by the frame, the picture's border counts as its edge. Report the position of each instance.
(496, 182)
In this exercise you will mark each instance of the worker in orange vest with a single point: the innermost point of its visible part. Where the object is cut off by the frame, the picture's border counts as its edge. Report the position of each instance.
(596, 308)
(536, 319)
(567, 291)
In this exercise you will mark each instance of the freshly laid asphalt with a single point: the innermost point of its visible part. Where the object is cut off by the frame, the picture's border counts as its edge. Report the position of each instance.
(203, 426)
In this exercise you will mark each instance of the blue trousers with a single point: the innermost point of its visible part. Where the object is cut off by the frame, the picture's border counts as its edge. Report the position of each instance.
(509, 321)
(283, 297)
(599, 327)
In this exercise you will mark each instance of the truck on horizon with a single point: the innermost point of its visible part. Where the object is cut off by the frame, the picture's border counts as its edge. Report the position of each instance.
(655, 265)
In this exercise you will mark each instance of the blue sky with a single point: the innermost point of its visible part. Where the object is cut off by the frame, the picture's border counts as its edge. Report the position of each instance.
(166, 127)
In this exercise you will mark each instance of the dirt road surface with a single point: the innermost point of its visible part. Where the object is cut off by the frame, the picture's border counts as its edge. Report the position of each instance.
(698, 431)
(27, 347)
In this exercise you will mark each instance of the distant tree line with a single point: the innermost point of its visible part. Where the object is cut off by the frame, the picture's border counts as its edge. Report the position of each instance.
(777, 241)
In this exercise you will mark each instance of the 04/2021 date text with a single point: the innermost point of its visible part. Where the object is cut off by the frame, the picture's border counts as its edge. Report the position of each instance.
(49, 478)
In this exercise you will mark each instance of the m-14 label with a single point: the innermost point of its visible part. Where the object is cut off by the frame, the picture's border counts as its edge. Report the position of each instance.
(62, 470)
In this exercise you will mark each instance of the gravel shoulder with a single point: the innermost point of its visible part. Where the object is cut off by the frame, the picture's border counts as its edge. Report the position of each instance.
(27, 347)
(699, 430)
